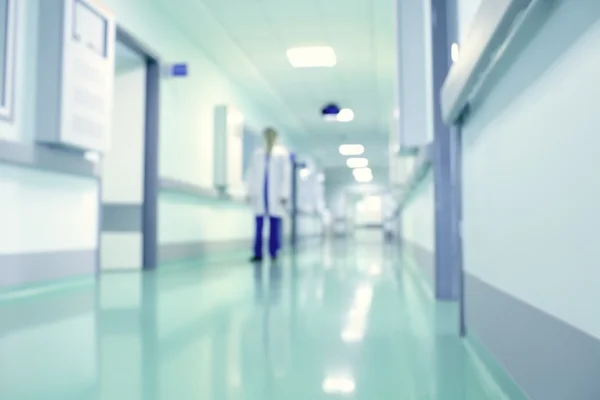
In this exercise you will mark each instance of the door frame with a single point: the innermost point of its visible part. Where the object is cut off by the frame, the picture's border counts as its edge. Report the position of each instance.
(456, 172)
(447, 167)
(148, 227)
(148, 214)
(456, 167)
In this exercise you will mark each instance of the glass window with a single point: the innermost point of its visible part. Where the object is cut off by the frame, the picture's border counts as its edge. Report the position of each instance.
(7, 51)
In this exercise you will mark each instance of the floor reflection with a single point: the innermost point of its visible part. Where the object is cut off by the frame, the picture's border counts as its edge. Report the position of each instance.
(346, 319)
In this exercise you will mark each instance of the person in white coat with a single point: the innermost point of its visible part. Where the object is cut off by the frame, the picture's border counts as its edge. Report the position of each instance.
(268, 185)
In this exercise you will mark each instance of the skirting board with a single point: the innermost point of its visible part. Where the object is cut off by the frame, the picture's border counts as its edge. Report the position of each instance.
(424, 258)
(181, 251)
(548, 358)
(30, 268)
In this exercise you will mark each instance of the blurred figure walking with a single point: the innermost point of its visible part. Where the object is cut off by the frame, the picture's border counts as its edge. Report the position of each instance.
(268, 184)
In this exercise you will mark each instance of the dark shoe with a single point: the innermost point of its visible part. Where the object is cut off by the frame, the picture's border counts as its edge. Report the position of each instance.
(256, 259)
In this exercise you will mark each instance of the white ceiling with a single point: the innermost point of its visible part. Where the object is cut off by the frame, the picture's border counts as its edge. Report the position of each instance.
(249, 39)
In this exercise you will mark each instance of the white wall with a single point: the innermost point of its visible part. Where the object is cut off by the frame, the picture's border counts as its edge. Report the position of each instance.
(187, 105)
(46, 212)
(186, 128)
(40, 211)
(531, 162)
(186, 219)
(466, 11)
(123, 165)
(418, 216)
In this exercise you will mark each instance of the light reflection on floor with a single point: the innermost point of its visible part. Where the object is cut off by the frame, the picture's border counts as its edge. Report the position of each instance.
(349, 319)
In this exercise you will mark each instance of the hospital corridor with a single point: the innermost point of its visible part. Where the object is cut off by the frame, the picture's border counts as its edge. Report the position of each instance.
(315, 326)
(299, 200)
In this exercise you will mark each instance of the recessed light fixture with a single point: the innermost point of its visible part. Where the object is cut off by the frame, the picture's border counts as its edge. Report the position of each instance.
(312, 57)
(357, 162)
(362, 175)
(352, 149)
(345, 115)
(340, 385)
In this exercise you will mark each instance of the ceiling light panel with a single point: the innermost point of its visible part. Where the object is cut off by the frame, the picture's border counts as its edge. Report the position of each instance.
(357, 162)
(345, 115)
(352, 149)
(362, 175)
(312, 57)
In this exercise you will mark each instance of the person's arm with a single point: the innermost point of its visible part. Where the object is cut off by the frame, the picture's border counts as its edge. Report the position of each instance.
(286, 184)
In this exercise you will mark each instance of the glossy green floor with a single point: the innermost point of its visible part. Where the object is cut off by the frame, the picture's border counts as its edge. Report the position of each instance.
(345, 320)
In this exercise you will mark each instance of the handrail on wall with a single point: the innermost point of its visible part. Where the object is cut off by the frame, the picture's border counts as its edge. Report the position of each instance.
(422, 166)
(189, 189)
(494, 29)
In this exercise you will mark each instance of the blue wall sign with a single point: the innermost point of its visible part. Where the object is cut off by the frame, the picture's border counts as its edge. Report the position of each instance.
(179, 70)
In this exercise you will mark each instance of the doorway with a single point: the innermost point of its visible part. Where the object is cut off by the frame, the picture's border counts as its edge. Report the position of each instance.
(129, 184)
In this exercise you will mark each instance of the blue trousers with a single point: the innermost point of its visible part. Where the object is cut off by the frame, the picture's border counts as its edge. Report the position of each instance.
(274, 236)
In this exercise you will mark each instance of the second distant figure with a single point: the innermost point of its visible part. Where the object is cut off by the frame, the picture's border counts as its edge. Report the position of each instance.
(268, 183)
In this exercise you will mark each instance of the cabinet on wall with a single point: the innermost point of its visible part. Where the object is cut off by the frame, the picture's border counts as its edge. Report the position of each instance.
(75, 74)
(228, 149)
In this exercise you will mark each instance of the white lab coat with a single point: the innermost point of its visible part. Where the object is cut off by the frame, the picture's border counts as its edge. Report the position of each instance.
(280, 181)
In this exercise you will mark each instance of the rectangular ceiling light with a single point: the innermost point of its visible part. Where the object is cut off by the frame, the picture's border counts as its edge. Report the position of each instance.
(357, 162)
(352, 149)
(345, 115)
(311, 57)
(362, 175)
